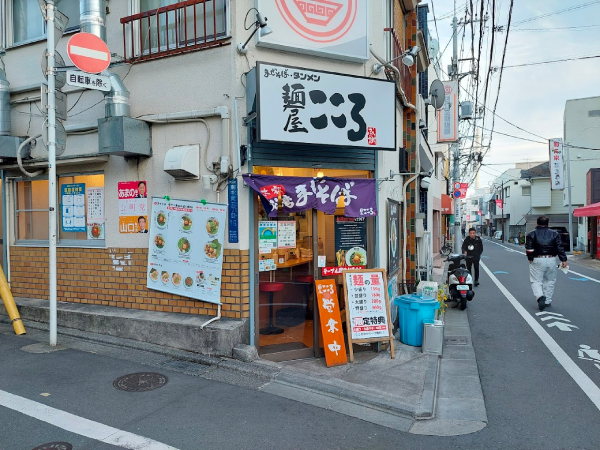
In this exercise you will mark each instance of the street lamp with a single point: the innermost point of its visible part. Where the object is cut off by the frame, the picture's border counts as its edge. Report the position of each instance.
(259, 24)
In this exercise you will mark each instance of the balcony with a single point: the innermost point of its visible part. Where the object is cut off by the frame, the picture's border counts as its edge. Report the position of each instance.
(186, 26)
(404, 84)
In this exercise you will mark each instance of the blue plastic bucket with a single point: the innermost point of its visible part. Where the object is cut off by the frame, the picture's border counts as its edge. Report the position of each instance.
(412, 311)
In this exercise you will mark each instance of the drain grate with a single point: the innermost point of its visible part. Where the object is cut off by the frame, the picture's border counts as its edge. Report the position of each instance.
(54, 446)
(140, 382)
(456, 340)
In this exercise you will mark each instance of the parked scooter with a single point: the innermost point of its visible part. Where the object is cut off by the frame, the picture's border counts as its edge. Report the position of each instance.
(460, 281)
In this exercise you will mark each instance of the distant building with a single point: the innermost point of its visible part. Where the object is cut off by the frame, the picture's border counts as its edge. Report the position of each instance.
(544, 201)
(581, 134)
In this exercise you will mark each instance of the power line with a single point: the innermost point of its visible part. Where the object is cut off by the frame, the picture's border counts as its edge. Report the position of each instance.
(574, 28)
(552, 61)
(569, 9)
(435, 21)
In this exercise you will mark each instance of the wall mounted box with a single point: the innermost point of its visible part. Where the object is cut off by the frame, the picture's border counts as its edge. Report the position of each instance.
(124, 136)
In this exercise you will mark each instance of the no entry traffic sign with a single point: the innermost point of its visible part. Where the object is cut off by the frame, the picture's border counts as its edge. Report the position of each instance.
(88, 52)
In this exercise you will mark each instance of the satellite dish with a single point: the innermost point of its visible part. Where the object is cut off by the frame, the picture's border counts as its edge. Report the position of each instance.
(437, 94)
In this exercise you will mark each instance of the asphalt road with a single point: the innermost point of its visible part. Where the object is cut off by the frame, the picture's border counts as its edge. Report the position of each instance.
(532, 401)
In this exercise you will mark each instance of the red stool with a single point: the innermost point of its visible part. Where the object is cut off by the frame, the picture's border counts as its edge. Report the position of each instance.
(308, 280)
(270, 288)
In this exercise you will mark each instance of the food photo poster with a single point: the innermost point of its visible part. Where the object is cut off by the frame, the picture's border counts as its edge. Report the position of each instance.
(185, 255)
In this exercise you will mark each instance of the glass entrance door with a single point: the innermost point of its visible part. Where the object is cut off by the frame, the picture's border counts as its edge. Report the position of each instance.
(293, 250)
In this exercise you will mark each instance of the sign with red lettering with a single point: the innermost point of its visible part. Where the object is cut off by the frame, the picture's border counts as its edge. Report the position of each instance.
(331, 323)
(367, 312)
(333, 271)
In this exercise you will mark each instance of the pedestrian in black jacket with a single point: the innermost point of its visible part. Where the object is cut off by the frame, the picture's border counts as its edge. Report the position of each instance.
(543, 245)
(473, 248)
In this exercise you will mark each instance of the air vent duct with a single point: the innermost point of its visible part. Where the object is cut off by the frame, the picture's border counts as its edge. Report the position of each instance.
(183, 162)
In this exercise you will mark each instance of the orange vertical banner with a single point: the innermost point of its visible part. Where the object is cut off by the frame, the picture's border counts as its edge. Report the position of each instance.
(331, 323)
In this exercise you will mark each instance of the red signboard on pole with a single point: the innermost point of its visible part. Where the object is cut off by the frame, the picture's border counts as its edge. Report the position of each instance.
(88, 52)
(499, 203)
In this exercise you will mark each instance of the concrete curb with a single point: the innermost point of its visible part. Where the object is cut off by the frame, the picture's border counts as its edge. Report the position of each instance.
(426, 409)
(254, 369)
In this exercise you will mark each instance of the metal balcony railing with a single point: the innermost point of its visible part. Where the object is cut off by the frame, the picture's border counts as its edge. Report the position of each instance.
(182, 27)
(405, 73)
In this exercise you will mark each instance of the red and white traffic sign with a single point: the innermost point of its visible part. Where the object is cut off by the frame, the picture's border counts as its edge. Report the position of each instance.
(88, 52)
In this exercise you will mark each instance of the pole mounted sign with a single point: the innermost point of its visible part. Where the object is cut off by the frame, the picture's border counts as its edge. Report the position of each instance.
(88, 52)
(448, 114)
(557, 175)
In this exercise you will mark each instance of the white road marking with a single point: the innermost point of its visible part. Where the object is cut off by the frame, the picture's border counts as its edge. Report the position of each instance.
(562, 326)
(79, 425)
(555, 318)
(578, 375)
(571, 271)
(88, 52)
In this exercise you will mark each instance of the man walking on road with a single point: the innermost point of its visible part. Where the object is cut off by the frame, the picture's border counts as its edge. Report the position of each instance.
(543, 245)
(473, 248)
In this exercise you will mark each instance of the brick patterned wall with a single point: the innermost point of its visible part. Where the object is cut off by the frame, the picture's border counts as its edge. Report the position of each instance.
(410, 143)
(117, 277)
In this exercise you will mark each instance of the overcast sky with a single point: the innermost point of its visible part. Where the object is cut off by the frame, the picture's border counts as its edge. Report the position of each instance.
(531, 97)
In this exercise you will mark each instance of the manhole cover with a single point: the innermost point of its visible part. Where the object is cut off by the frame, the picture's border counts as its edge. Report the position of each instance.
(55, 446)
(140, 382)
(456, 340)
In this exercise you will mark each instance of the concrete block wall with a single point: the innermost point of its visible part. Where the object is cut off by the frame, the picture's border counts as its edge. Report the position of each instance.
(117, 277)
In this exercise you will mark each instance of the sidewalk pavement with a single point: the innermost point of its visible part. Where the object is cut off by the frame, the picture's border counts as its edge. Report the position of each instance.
(414, 392)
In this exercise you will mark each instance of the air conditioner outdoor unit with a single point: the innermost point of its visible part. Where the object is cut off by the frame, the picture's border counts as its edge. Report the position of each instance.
(183, 162)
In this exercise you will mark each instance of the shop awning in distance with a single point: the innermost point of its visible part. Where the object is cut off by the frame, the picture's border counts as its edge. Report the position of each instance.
(295, 194)
(587, 211)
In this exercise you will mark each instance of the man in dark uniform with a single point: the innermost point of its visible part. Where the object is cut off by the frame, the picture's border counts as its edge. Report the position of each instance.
(473, 248)
(543, 245)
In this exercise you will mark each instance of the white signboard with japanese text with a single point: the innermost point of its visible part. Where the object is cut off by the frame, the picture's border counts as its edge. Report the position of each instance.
(304, 106)
(88, 80)
(367, 311)
(557, 175)
(448, 114)
(95, 215)
(328, 28)
(185, 255)
(286, 234)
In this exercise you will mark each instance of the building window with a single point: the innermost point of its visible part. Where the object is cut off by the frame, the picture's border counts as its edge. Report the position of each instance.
(165, 27)
(507, 192)
(526, 190)
(25, 21)
(31, 214)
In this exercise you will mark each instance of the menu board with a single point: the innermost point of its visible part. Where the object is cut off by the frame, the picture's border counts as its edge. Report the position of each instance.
(185, 255)
(286, 234)
(367, 311)
(350, 241)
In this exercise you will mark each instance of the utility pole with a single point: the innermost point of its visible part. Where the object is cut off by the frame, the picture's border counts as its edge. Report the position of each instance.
(502, 195)
(455, 147)
(569, 198)
(52, 172)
